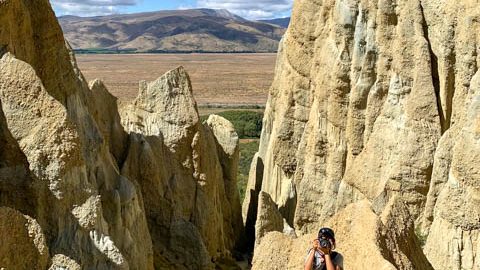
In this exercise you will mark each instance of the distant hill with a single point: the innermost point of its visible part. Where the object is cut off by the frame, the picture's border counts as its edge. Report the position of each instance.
(282, 22)
(195, 30)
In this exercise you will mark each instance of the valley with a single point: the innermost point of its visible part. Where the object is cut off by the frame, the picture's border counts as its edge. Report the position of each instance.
(218, 80)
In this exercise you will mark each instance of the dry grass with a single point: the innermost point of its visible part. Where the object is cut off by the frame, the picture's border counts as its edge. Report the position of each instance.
(225, 79)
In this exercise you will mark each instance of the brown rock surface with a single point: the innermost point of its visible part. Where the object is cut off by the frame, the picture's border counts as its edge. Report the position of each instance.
(160, 195)
(364, 240)
(453, 236)
(187, 173)
(23, 243)
(375, 100)
(269, 218)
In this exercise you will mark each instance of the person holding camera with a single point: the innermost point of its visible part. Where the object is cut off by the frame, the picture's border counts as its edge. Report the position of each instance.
(321, 256)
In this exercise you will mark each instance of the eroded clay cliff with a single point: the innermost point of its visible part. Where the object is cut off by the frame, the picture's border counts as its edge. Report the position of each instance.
(376, 101)
(80, 191)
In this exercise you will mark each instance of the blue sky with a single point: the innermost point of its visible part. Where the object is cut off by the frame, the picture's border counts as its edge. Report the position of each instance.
(251, 9)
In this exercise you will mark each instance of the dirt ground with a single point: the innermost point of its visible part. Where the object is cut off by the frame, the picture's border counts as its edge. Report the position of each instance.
(217, 79)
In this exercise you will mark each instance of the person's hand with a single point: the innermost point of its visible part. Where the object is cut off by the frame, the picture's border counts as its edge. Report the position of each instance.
(325, 250)
(316, 244)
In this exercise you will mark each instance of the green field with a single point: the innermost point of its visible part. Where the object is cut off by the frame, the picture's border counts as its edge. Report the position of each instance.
(248, 124)
(247, 151)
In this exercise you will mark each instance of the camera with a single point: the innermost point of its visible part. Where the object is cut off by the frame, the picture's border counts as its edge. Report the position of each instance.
(325, 243)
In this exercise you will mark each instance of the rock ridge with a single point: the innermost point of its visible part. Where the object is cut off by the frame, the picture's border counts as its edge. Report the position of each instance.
(375, 102)
(80, 190)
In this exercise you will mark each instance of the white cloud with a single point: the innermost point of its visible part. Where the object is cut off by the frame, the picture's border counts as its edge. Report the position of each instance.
(251, 9)
(90, 7)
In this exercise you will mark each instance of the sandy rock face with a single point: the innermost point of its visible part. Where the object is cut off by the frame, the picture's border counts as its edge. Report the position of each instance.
(269, 218)
(375, 100)
(453, 237)
(78, 191)
(360, 234)
(187, 173)
(157, 105)
(23, 243)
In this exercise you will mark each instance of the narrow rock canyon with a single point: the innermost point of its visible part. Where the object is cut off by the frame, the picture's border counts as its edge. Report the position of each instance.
(372, 127)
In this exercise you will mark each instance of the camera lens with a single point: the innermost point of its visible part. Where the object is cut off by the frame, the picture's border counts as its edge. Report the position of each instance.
(324, 243)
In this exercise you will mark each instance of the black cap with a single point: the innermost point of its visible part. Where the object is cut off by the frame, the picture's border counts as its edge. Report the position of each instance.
(327, 233)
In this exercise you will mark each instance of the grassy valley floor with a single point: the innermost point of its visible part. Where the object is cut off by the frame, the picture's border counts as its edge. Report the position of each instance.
(218, 80)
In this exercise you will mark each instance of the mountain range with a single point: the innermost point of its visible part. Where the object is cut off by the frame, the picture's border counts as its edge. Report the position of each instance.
(194, 30)
(282, 22)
